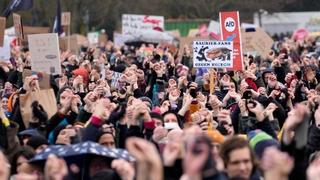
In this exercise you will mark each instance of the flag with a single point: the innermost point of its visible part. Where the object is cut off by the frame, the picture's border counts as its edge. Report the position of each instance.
(57, 28)
(17, 5)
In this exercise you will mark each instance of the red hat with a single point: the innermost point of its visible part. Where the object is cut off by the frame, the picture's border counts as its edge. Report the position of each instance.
(82, 72)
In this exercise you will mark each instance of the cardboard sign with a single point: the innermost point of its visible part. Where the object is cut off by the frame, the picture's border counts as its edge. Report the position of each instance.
(93, 37)
(2, 29)
(17, 23)
(230, 31)
(136, 24)
(35, 30)
(45, 54)
(65, 18)
(5, 50)
(257, 41)
(213, 54)
(76, 41)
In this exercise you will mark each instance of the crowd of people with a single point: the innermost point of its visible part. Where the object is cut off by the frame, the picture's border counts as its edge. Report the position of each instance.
(259, 123)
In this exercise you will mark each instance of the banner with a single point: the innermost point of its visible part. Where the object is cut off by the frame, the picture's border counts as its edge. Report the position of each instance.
(213, 54)
(230, 31)
(65, 18)
(2, 29)
(17, 23)
(5, 50)
(136, 24)
(44, 51)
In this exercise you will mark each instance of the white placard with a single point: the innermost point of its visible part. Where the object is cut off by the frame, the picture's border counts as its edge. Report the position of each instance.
(5, 50)
(93, 37)
(118, 39)
(213, 54)
(44, 51)
(136, 24)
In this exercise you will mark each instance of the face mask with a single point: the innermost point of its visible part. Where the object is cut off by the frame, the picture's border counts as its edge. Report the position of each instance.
(171, 125)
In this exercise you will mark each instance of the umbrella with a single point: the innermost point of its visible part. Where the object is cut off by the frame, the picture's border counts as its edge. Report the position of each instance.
(81, 149)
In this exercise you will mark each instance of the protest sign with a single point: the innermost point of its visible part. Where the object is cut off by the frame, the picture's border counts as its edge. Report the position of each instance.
(257, 41)
(230, 31)
(5, 49)
(136, 24)
(213, 54)
(93, 37)
(2, 29)
(65, 18)
(118, 39)
(76, 41)
(44, 51)
(17, 23)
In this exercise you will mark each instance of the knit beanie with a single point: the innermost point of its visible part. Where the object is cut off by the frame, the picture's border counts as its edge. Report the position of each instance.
(259, 141)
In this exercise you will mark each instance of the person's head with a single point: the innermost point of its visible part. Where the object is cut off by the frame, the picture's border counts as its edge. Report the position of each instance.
(106, 139)
(147, 101)
(38, 143)
(66, 135)
(65, 92)
(216, 140)
(22, 156)
(238, 157)
(4, 102)
(260, 141)
(171, 120)
(157, 118)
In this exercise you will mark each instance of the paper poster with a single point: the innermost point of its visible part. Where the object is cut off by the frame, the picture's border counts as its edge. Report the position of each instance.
(65, 18)
(118, 39)
(17, 23)
(136, 24)
(213, 54)
(44, 51)
(2, 29)
(5, 50)
(230, 31)
(93, 37)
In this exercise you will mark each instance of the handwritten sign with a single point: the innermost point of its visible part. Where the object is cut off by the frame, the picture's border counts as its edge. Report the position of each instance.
(17, 26)
(2, 29)
(44, 51)
(133, 24)
(65, 18)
